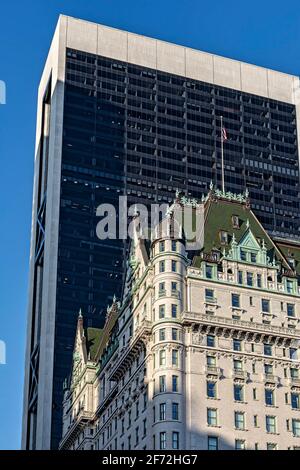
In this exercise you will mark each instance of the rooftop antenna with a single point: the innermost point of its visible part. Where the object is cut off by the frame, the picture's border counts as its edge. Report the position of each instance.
(223, 138)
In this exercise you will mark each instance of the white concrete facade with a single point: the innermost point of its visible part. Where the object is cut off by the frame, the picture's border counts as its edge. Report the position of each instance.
(128, 47)
(203, 359)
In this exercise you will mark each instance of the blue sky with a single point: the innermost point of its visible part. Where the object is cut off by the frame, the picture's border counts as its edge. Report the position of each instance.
(265, 32)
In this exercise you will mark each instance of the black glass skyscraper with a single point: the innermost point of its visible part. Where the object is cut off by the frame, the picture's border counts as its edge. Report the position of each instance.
(109, 127)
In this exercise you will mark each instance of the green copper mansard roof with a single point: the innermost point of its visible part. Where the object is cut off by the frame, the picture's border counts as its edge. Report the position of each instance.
(232, 214)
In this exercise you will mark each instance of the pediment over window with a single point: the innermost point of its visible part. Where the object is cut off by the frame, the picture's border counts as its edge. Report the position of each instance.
(249, 241)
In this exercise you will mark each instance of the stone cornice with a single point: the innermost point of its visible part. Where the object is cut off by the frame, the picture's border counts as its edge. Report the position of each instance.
(240, 325)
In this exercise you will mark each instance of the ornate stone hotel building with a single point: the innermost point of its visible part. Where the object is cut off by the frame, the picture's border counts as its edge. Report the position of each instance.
(202, 351)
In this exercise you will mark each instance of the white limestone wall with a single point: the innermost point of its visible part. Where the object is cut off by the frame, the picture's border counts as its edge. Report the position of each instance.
(226, 406)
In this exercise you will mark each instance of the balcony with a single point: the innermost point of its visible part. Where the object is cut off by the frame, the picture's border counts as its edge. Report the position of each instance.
(294, 381)
(213, 371)
(239, 374)
(242, 325)
(210, 300)
(175, 293)
(270, 378)
(107, 399)
(136, 343)
(81, 419)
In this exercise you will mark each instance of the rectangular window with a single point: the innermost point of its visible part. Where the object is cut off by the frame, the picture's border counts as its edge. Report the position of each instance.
(162, 334)
(294, 373)
(174, 287)
(253, 257)
(255, 421)
(238, 391)
(235, 300)
(211, 361)
(212, 443)
(174, 334)
(293, 353)
(237, 365)
(295, 401)
(162, 357)
(239, 444)
(243, 255)
(162, 412)
(144, 427)
(235, 221)
(174, 357)
(174, 266)
(175, 411)
(271, 424)
(289, 286)
(161, 246)
(211, 389)
(162, 383)
(209, 271)
(210, 341)
(296, 427)
(174, 383)
(175, 440)
(161, 288)
(290, 310)
(265, 305)
(223, 237)
(258, 280)
(174, 245)
(237, 345)
(162, 440)
(161, 266)
(136, 436)
(162, 311)
(269, 397)
(268, 369)
(239, 420)
(250, 279)
(174, 311)
(209, 295)
(267, 350)
(240, 277)
(212, 417)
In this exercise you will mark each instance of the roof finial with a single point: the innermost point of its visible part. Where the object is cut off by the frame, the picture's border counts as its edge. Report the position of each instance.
(211, 185)
(80, 314)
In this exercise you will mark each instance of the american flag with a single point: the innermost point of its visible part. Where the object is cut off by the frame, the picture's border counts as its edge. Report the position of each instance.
(224, 134)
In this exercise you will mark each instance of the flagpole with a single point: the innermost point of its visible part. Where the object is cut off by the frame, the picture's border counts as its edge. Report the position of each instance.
(222, 156)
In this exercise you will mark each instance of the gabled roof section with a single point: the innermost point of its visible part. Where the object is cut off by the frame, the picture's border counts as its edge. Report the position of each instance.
(222, 212)
(94, 336)
(111, 320)
(86, 341)
(291, 251)
(80, 349)
(249, 241)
